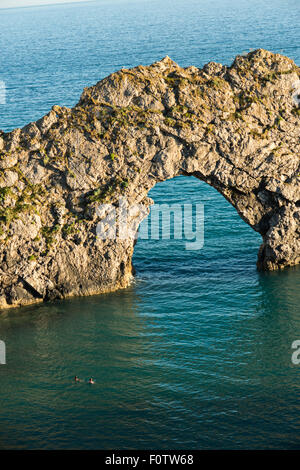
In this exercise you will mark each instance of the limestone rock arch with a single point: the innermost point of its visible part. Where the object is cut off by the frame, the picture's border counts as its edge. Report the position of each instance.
(236, 128)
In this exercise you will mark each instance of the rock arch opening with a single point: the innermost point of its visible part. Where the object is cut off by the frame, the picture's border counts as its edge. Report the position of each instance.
(226, 236)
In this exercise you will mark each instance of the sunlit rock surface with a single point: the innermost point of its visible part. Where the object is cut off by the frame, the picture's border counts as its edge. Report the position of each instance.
(236, 128)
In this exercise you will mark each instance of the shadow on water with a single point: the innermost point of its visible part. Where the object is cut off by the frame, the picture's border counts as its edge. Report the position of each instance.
(197, 380)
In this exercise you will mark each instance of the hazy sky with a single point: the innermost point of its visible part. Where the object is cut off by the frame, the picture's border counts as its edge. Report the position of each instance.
(25, 3)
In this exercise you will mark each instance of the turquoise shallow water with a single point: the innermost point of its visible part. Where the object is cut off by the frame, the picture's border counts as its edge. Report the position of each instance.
(197, 352)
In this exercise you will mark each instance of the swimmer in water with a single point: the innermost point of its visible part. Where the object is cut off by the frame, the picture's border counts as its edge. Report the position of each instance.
(91, 381)
(76, 379)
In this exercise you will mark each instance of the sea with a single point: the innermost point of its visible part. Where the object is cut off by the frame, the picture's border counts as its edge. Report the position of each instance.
(197, 352)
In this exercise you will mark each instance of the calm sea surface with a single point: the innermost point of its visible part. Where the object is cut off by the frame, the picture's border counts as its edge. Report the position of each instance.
(197, 352)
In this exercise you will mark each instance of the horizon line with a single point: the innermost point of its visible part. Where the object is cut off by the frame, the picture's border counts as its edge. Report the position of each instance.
(62, 2)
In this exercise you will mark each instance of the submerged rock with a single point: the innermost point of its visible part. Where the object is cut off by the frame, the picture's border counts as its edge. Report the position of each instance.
(236, 128)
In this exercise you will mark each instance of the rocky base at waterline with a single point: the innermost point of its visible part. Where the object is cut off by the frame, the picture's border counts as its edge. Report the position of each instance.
(236, 128)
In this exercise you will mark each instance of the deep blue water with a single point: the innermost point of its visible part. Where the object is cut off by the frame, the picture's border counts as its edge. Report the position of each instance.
(197, 352)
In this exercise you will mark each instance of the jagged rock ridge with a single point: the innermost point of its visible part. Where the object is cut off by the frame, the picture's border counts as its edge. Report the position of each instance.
(236, 128)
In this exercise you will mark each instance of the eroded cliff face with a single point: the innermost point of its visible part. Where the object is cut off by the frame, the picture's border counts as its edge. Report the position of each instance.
(236, 128)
